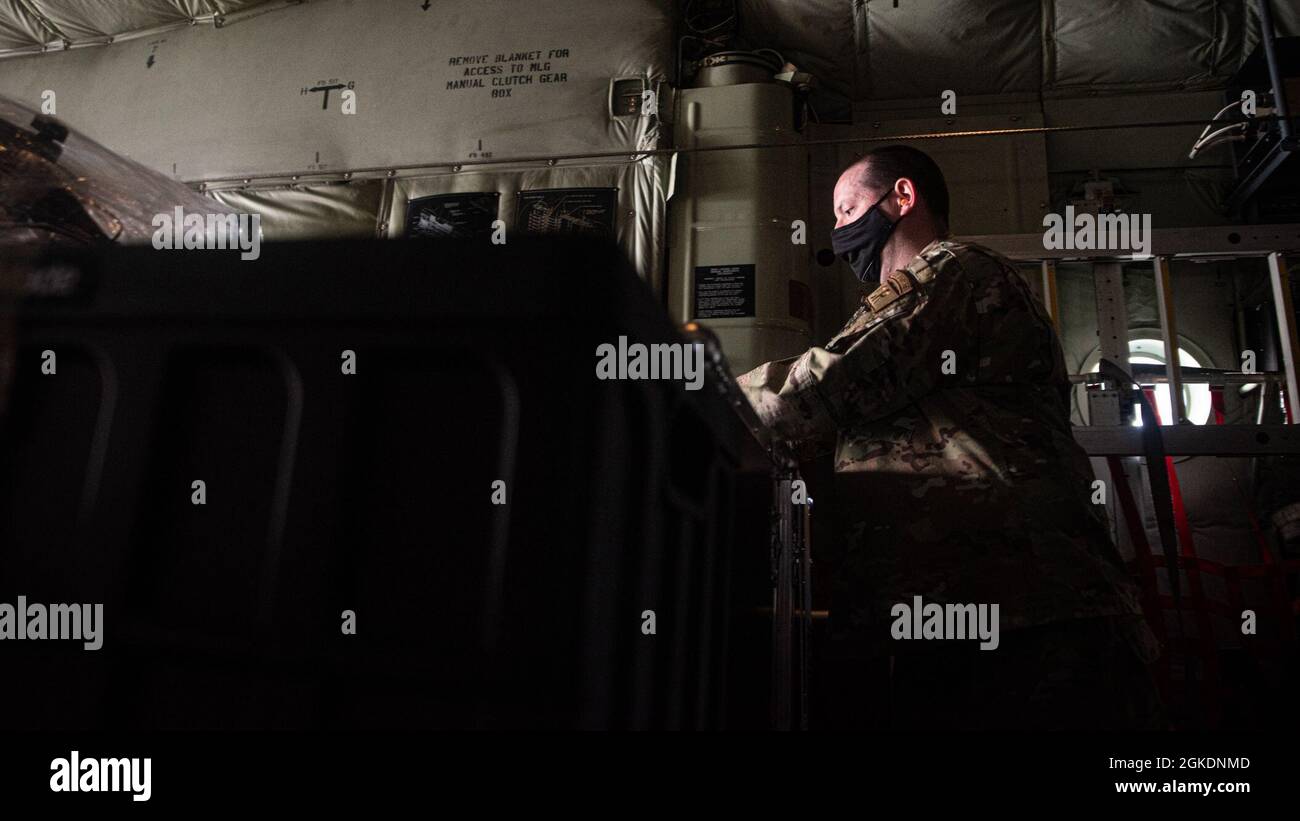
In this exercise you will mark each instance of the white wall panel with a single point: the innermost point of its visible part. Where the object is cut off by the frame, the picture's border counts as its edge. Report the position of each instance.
(221, 102)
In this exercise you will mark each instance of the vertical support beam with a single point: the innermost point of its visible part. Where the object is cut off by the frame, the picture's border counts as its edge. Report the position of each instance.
(385, 215)
(805, 623)
(1286, 327)
(1169, 330)
(1112, 312)
(1050, 299)
(1266, 34)
(782, 600)
(1112, 338)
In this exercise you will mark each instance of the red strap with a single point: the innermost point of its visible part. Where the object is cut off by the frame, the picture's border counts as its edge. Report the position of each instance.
(1175, 491)
(1200, 607)
(1146, 568)
(1276, 574)
(1132, 521)
(1216, 402)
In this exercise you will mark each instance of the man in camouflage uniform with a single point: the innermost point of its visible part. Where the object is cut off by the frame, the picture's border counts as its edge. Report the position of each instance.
(945, 399)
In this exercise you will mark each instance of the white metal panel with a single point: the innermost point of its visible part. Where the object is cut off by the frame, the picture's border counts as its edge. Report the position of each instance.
(203, 103)
(1287, 339)
(1169, 333)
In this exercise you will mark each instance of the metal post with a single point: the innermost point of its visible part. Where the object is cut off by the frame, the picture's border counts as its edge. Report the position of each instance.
(1169, 330)
(1286, 329)
(782, 600)
(805, 623)
(1050, 299)
(1112, 313)
(1266, 36)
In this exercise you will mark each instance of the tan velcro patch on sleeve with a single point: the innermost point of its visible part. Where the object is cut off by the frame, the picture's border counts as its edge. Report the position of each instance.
(896, 285)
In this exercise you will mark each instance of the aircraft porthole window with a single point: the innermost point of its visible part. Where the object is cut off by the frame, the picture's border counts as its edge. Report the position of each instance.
(1150, 350)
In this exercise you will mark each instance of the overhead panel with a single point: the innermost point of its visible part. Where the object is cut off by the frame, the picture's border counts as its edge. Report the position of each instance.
(18, 30)
(921, 47)
(1120, 42)
(88, 19)
(27, 24)
(1286, 21)
(905, 49)
(815, 35)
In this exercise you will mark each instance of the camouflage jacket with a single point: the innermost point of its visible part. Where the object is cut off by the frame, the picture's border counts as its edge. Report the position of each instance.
(945, 398)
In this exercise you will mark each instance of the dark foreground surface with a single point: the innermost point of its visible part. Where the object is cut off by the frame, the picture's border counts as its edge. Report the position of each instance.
(420, 508)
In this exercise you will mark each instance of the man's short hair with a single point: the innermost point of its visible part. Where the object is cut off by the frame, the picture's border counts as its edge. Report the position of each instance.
(882, 167)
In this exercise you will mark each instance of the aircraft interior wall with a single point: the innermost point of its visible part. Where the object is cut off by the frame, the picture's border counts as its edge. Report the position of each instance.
(286, 142)
(1066, 82)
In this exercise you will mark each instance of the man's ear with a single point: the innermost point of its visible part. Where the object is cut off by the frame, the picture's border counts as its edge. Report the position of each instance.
(905, 192)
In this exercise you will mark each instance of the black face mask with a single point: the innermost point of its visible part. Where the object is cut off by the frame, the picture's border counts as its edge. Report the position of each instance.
(860, 242)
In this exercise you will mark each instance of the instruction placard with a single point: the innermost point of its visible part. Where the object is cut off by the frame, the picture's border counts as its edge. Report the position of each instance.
(588, 211)
(499, 75)
(724, 291)
(452, 216)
